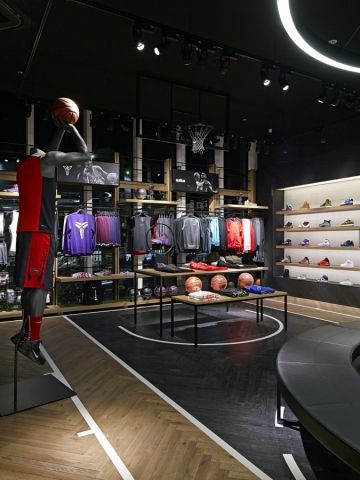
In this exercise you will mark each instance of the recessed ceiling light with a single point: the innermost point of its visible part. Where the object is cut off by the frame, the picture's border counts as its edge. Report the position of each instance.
(332, 41)
(288, 24)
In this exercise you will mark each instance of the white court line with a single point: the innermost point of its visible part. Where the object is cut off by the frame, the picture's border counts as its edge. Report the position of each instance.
(104, 442)
(220, 344)
(85, 433)
(282, 411)
(301, 314)
(225, 446)
(293, 467)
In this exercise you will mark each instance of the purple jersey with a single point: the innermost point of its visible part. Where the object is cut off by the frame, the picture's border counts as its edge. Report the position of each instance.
(79, 234)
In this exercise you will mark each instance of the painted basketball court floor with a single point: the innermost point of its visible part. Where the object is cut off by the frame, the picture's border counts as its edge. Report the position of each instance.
(162, 410)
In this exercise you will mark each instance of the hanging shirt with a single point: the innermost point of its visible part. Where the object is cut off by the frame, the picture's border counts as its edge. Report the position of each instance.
(139, 232)
(235, 234)
(79, 234)
(248, 235)
(214, 231)
(13, 228)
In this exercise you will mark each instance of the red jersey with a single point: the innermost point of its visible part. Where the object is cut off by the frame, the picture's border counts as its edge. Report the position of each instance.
(37, 195)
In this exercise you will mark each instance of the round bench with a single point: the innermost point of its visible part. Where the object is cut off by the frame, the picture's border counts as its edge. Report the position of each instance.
(317, 379)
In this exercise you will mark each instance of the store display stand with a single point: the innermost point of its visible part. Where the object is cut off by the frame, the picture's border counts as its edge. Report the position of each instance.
(25, 394)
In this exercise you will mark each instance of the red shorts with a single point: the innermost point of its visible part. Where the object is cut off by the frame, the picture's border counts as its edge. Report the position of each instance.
(35, 252)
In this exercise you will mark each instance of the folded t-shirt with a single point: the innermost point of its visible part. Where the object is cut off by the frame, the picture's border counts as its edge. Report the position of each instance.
(259, 289)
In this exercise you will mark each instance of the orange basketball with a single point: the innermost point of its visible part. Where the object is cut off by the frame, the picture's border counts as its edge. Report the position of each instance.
(193, 284)
(245, 280)
(218, 282)
(65, 110)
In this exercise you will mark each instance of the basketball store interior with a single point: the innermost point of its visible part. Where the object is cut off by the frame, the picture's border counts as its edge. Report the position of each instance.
(179, 240)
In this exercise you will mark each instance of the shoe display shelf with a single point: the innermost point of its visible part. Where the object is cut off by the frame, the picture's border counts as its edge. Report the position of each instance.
(288, 209)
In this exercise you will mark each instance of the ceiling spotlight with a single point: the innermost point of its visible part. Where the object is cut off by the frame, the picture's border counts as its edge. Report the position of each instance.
(265, 77)
(187, 53)
(336, 98)
(161, 47)
(284, 84)
(323, 95)
(138, 38)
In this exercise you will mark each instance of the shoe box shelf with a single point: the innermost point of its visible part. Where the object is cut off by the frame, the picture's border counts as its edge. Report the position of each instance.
(315, 195)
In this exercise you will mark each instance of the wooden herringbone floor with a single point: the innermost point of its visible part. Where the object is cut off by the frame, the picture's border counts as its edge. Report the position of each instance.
(153, 439)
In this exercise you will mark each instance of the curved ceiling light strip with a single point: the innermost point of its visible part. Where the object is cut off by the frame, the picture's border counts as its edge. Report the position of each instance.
(288, 24)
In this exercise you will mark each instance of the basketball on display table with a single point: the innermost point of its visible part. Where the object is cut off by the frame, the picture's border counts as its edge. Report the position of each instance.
(172, 290)
(218, 282)
(193, 284)
(157, 291)
(245, 280)
(65, 110)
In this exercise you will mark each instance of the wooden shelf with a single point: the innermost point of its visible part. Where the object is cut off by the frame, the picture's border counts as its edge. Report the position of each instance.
(96, 278)
(311, 265)
(302, 211)
(317, 281)
(317, 247)
(151, 272)
(319, 229)
(149, 202)
(16, 195)
(236, 206)
(114, 304)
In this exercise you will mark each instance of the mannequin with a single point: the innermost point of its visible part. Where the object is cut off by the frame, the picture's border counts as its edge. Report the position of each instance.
(36, 236)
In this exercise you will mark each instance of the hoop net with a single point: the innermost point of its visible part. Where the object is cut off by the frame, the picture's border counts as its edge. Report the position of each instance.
(198, 133)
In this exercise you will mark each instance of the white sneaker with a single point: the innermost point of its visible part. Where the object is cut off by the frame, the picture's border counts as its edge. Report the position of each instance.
(302, 277)
(347, 264)
(346, 282)
(325, 243)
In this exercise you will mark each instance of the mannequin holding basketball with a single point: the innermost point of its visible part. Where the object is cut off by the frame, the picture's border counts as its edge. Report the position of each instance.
(36, 236)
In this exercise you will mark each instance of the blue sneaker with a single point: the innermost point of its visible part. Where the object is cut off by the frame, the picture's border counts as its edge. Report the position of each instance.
(348, 201)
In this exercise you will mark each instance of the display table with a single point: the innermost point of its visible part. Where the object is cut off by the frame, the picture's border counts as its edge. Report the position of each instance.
(151, 272)
(223, 299)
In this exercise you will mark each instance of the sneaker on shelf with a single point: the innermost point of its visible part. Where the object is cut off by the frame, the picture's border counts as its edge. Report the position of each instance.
(325, 262)
(346, 282)
(303, 276)
(347, 264)
(305, 205)
(325, 224)
(304, 225)
(324, 278)
(288, 225)
(327, 203)
(347, 243)
(287, 242)
(347, 201)
(347, 223)
(305, 243)
(305, 261)
(287, 259)
(32, 351)
(287, 207)
(325, 243)
(13, 189)
(248, 203)
(286, 273)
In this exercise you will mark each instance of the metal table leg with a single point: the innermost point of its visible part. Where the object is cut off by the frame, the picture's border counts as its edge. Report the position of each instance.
(172, 317)
(161, 307)
(285, 312)
(196, 326)
(261, 309)
(257, 310)
(135, 285)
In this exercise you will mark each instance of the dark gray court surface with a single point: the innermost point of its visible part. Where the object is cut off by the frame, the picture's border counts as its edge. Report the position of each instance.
(229, 388)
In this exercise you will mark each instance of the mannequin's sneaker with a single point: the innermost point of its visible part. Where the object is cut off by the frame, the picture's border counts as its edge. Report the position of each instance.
(305, 205)
(347, 243)
(304, 225)
(32, 351)
(305, 243)
(287, 259)
(347, 223)
(347, 264)
(325, 224)
(327, 203)
(324, 278)
(305, 261)
(286, 273)
(288, 225)
(287, 242)
(346, 282)
(347, 201)
(324, 263)
(325, 243)
(303, 276)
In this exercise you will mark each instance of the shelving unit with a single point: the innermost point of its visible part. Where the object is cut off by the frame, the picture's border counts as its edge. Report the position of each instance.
(315, 195)
(148, 202)
(235, 206)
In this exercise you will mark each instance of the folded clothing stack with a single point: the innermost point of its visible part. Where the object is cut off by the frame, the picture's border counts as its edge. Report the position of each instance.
(170, 268)
(204, 295)
(259, 289)
(233, 292)
(205, 267)
(81, 275)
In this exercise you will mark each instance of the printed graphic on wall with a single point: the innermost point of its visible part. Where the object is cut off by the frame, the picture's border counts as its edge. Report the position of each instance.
(100, 173)
(196, 182)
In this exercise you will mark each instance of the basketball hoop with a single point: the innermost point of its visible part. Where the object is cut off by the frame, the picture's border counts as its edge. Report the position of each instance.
(198, 133)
